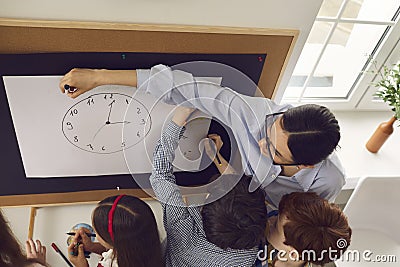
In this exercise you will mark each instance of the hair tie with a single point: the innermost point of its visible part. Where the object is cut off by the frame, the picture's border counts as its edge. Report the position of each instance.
(111, 215)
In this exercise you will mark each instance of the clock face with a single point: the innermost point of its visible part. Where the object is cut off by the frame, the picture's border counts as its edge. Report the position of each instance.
(95, 124)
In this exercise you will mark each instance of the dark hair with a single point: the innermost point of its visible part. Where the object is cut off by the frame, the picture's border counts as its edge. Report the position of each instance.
(11, 253)
(315, 225)
(238, 219)
(313, 133)
(136, 240)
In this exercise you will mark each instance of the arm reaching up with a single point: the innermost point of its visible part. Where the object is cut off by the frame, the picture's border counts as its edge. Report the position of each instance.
(87, 79)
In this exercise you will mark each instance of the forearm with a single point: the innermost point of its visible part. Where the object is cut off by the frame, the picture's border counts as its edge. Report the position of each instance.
(181, 88)
(164, 153)
(117, 77)
(162, 178)
(84, 80)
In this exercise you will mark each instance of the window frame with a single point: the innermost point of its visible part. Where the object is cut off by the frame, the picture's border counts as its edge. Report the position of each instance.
(360, 96)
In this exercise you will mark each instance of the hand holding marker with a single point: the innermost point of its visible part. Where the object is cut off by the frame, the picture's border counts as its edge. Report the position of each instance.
(76, 246)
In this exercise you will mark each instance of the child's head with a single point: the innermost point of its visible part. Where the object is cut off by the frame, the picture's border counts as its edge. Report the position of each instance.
(238, 219)
(127, 224)
(307, 222)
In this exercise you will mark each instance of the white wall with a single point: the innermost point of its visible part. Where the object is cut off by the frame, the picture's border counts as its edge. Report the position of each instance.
(283, 14)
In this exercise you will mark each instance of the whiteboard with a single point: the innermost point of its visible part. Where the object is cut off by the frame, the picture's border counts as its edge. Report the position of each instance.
(87, 136)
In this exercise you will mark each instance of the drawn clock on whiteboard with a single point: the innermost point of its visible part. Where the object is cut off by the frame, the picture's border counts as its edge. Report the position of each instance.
(95, 124)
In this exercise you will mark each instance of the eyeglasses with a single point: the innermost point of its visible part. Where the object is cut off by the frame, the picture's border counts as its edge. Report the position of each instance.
(269, 123)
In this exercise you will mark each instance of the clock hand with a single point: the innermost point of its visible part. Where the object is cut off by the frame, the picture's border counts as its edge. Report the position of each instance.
(108, 119)
(124, 122)
(108, 123)
(109, 113)
(99, 131)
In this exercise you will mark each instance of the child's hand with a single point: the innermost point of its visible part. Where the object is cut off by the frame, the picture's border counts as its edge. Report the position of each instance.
(79, 260)
(35, 252)
(88, 245)
(214, 147)
(82, 79)
(217, 141)
(181, 115)
(81, 237)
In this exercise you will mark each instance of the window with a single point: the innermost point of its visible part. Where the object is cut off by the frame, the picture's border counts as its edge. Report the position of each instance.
(333, 66)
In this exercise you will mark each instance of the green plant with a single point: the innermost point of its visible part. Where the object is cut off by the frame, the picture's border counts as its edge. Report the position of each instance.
(389, 85)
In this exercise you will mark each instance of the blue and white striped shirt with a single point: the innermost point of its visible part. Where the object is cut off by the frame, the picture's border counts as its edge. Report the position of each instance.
(186, 240)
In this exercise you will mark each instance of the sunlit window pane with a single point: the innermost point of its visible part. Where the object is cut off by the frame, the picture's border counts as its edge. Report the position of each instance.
(330, 8)
(308, 57)
(352, 9)
(378, 10)
(344, 58)
(359, 27)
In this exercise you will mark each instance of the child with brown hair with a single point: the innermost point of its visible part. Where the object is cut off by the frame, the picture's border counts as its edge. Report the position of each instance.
(127, 233)
(11, 254)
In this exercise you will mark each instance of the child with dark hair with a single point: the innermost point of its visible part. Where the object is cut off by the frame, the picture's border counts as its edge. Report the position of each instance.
(238, 219)
(286, 149)
(11, 254)
(127, 233)
(226, 232)
(305, 230)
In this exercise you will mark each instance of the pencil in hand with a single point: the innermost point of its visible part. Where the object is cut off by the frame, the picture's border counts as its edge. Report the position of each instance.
(219, 161)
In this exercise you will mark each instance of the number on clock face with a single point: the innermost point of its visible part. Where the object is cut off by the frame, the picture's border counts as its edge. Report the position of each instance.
(95, 124)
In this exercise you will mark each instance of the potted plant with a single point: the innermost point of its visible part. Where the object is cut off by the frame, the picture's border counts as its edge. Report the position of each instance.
(389, 92)
(390, 87)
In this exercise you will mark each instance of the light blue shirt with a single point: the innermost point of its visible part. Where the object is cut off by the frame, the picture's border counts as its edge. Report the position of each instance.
(245, 115)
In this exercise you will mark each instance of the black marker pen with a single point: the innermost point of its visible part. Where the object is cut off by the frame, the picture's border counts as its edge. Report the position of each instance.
(70, 89)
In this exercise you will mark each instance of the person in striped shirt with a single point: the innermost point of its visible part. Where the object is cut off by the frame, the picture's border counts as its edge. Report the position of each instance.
(225, 232)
